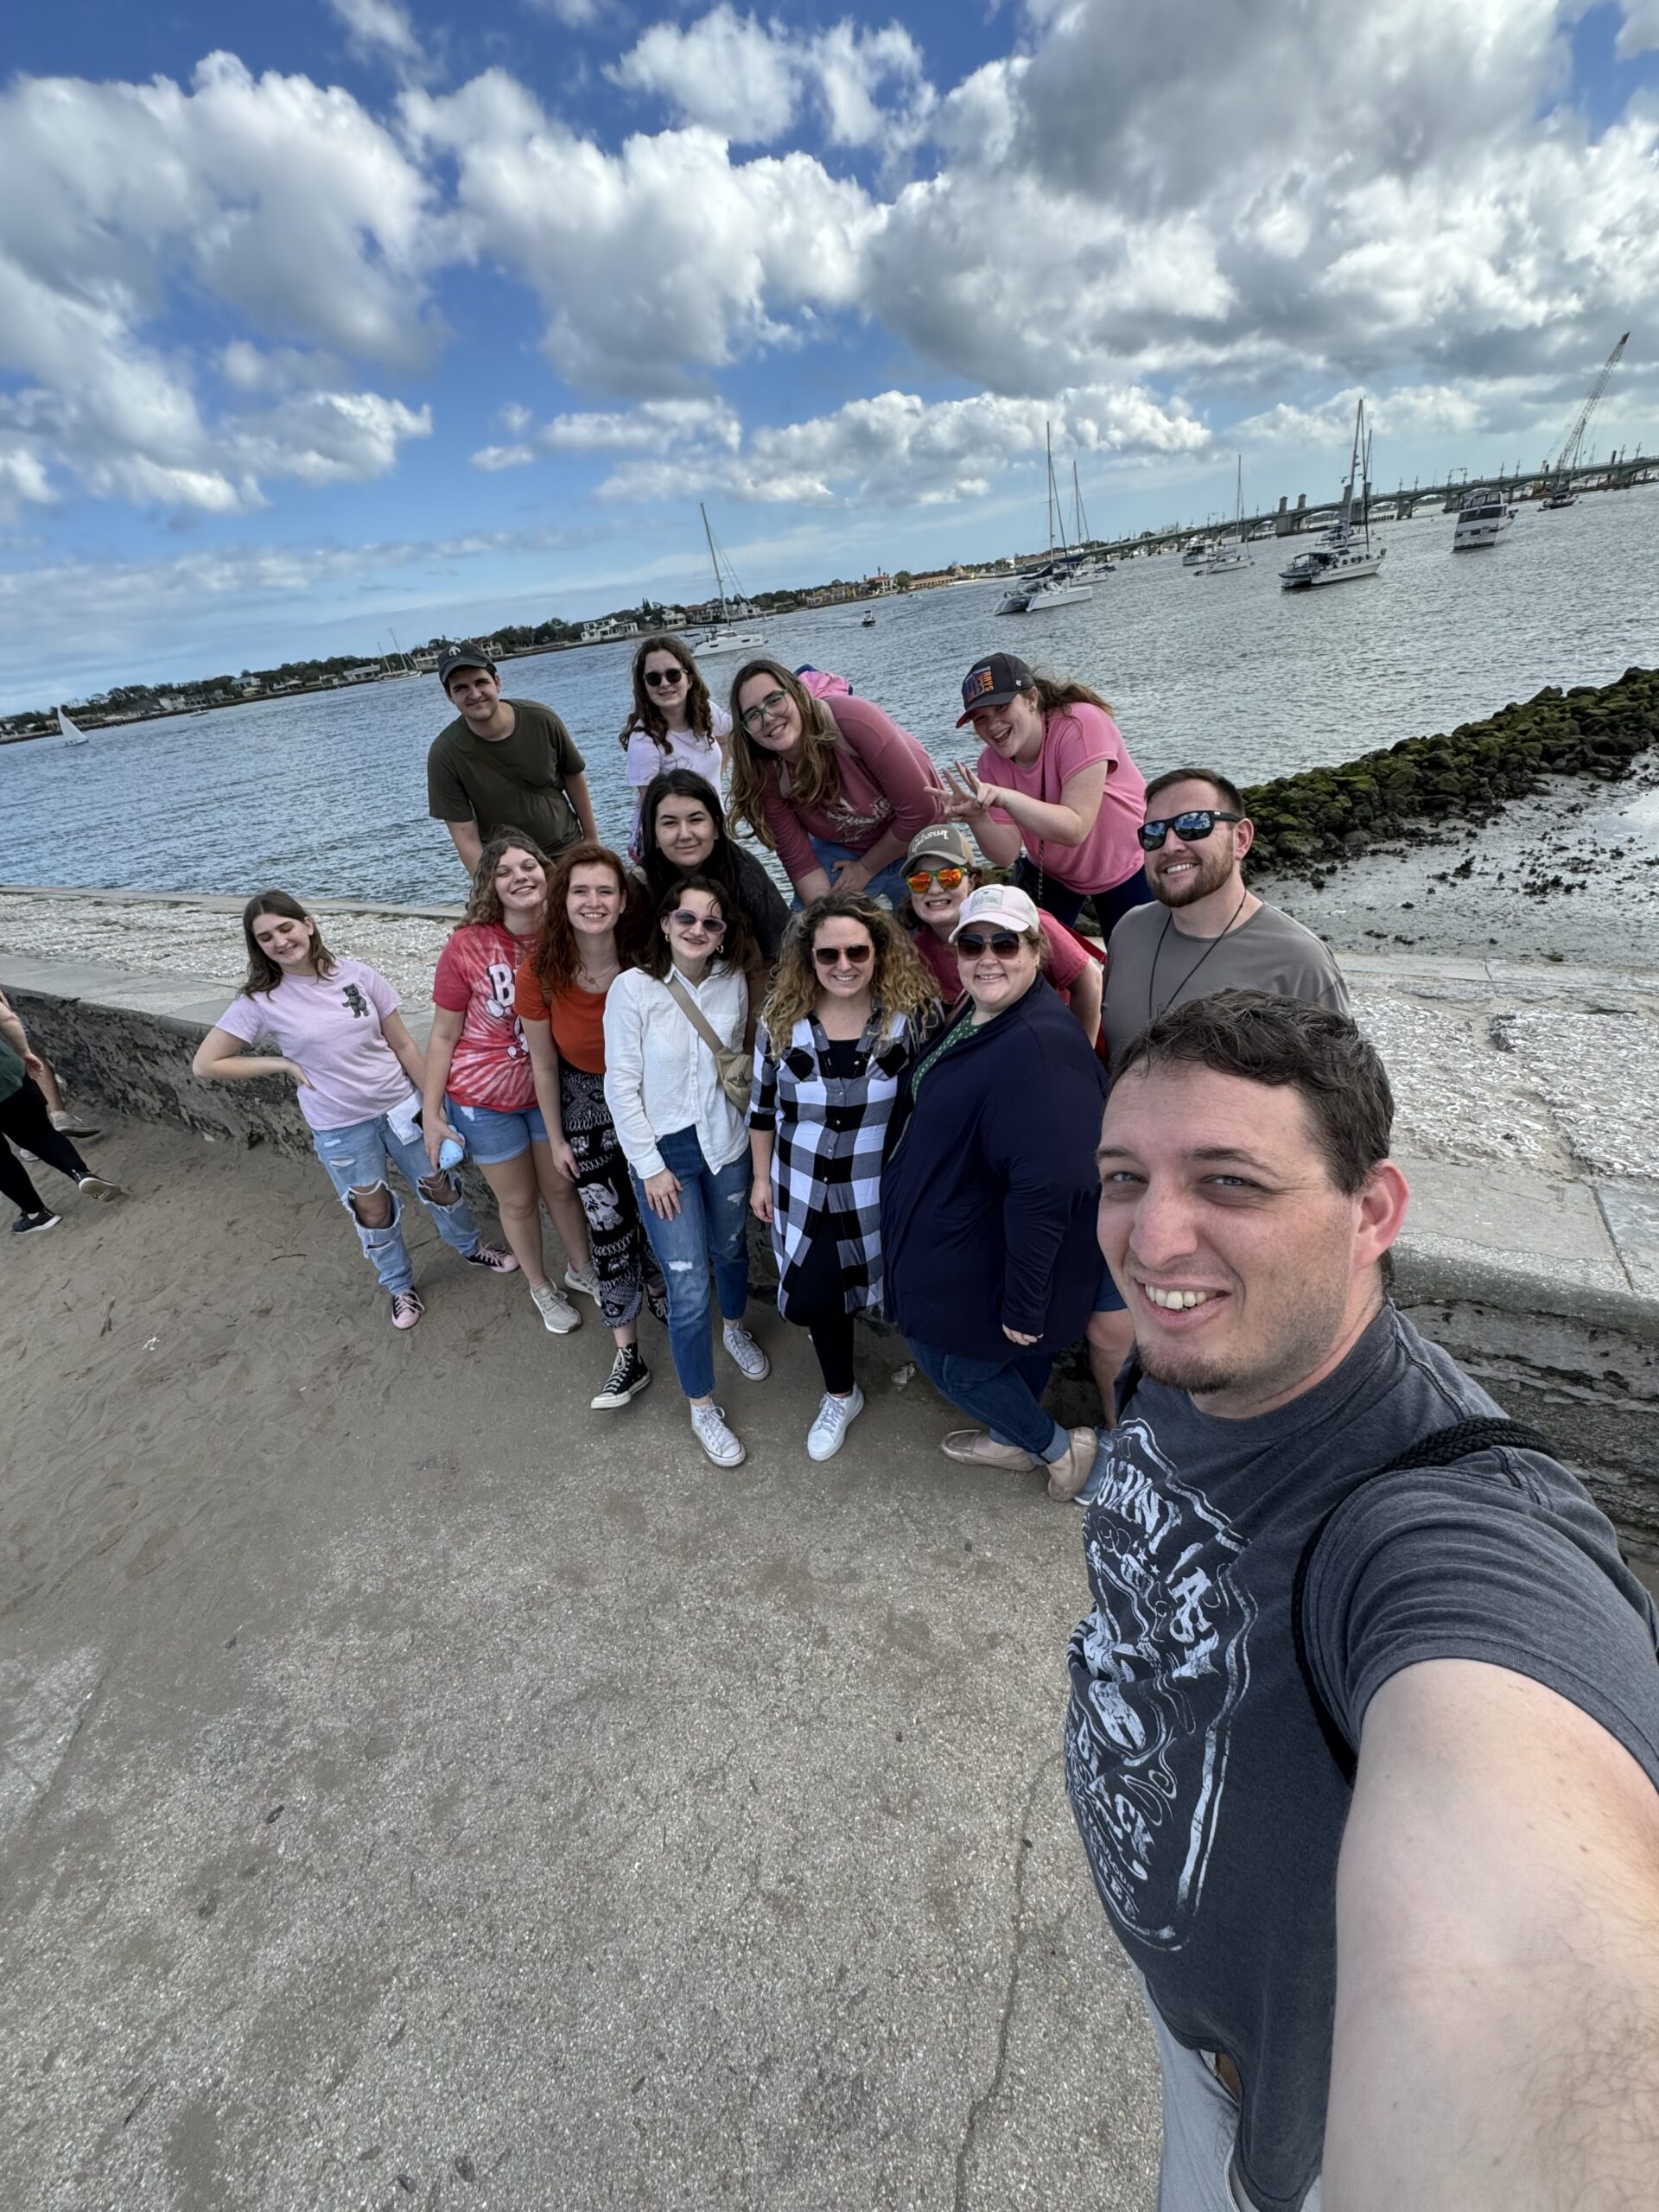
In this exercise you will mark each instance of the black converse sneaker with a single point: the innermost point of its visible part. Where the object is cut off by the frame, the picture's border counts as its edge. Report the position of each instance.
(628, 1378)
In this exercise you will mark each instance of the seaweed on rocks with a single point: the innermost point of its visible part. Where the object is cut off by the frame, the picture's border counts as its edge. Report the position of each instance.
(1406, 792)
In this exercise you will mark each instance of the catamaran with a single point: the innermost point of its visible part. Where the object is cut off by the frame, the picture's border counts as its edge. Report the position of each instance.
(1345, 552)
(724, 637)
(1056, 582)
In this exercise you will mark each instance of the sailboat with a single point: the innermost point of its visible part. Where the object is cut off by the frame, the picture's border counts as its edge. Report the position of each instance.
(1056, 585)
(1345, 552)
(71, 732)
(1230, 555)
(1091, 569)
(724, 637)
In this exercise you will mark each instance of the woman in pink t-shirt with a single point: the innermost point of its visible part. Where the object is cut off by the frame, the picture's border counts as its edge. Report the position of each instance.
(478, 1056)
(830, 784)
(359, 1075)
(1054, 790)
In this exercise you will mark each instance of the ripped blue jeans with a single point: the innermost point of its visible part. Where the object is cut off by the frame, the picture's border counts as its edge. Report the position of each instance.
(711, 1225)
(356, 1158)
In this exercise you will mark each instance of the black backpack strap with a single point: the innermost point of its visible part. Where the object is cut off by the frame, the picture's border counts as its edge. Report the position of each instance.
(1443, 1448)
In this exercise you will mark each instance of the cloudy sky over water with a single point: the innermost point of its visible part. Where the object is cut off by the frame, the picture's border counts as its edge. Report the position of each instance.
(346, 317)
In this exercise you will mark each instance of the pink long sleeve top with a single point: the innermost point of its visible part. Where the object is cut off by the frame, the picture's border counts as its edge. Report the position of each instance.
(887, 783)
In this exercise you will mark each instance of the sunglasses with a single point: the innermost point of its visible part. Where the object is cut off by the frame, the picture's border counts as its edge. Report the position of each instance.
(774, 703)
(664, 678)
(1189, 828)
(1003, 942)
(832, 956)
(684, 918)
(946, 878)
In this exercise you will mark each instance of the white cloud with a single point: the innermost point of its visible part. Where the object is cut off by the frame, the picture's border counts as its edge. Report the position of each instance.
(746, 80)
(380, 27)
(1639, 32)
(658, 423)
(492, 458)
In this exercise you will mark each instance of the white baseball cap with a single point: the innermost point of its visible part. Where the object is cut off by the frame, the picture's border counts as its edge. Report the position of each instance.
(999, 902)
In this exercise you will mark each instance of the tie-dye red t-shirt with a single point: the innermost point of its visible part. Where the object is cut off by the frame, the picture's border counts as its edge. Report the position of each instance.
(476, 978)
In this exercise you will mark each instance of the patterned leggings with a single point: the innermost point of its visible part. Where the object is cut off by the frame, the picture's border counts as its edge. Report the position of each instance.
(621, 1256)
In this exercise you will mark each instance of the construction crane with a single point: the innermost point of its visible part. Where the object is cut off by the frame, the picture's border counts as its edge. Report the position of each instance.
(1567, 459)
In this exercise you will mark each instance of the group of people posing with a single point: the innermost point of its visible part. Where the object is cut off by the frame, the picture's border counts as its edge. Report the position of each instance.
(903, 1080)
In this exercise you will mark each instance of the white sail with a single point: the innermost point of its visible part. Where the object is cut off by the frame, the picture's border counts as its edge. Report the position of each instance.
(70, 731)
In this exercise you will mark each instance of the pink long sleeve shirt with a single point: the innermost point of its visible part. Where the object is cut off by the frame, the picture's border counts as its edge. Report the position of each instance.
(887, 783)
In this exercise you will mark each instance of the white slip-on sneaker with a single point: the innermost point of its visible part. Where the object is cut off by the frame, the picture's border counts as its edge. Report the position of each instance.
(750, 1361)
(558, 1315)
(709, 1427)
(827, 1433)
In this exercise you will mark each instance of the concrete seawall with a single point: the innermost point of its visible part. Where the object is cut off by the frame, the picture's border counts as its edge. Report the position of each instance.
(1525, 1127)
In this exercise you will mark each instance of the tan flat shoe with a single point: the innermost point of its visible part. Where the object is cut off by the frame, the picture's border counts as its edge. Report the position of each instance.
(972, 1448)
(1067, 1476)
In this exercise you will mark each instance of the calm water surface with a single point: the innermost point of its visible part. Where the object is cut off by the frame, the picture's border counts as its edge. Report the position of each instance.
(327, 795)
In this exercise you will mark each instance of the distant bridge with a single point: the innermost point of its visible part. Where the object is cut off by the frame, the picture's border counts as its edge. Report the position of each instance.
(1285, 520)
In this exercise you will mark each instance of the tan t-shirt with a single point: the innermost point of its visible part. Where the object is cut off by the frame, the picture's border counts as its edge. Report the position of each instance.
(1152, 966)
(510, 783)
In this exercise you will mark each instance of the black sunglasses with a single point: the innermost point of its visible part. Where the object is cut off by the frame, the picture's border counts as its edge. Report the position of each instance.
(657, 677)
(1189, 827)
(830, 956)
(1002, 943)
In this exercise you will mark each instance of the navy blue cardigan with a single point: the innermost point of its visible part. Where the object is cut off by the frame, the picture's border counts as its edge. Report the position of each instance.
(989, 1202)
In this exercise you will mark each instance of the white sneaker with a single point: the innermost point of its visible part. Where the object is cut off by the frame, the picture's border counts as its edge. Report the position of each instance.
(828, 1432)
(749, 1358)
(709, 1427)
(584, 1280)
(558, 1315)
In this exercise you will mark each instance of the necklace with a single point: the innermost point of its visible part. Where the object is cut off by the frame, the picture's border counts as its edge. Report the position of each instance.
(1152, 975)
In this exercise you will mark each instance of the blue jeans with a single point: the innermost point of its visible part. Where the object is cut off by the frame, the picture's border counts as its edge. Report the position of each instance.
(355, 1158)
(889, 884)
(1005, 1395)
(712, 1224)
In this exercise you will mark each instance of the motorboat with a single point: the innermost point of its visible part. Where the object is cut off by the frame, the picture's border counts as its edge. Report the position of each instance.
(1197, 549)
(1345, 552)
(1261, 529)
(1482, 519)
(723, 636)
(1228, 555)
(868, 623)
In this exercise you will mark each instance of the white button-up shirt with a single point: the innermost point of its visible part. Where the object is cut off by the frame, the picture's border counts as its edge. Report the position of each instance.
(660, 1076)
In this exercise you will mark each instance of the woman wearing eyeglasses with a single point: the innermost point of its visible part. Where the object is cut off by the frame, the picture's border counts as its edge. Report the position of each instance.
(830, 784)
(674, 723)
(989, 1199)
(939, 873)
(1054, 793)
(838, 1034)
(687, 1144)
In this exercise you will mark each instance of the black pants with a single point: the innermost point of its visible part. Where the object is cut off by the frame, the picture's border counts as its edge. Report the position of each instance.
(24, 1119)
(818, 1303)
(1065, 905)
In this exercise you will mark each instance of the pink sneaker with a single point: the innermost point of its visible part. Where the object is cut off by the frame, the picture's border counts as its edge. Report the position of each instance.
(406, 1308)
(492, 1256)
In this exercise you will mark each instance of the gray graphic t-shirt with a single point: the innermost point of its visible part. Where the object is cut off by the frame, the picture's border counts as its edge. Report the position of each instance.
(1209, 1800)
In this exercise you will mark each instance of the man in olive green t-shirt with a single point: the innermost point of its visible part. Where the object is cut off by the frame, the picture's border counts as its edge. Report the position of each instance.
(503, 763)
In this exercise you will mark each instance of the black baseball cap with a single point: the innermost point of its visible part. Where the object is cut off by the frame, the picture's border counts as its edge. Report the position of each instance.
(992, 683)
(454, 657)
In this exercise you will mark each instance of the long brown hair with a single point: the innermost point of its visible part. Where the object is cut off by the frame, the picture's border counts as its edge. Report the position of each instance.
(647, 715)
(263, 974)
(814, 772)
(737, 949)
(1056, 691)
(554, 956)
(898, 985)
(484, 906)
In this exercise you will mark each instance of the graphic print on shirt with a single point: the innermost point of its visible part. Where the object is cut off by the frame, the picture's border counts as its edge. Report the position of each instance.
(500, 1005)
(355, 999)
(1158, 1670)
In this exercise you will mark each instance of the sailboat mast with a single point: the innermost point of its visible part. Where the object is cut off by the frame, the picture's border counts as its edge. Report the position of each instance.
(713, 562)
(1079, 520)
(1048, 442)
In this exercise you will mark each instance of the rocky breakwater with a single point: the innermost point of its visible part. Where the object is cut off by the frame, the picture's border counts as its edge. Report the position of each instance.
(1411, 793)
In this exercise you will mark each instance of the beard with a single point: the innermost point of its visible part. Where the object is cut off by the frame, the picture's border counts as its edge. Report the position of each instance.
(1212, 871)
(1254, 1373)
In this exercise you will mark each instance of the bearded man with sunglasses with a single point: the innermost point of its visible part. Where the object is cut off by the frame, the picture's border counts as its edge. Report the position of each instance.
(1203, 932)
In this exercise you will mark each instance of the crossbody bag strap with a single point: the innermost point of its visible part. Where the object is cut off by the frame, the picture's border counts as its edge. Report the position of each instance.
(1443, 1448)
(697, 1018)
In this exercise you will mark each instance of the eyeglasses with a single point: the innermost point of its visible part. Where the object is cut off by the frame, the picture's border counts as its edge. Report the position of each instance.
(1189, 827)
(664, 678)
(832, 956)
(1003, 942)
(684, 918)
(772, 704)
(946, 878)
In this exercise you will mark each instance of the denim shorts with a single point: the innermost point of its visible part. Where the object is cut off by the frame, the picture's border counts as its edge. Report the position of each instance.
(493, 1137)
(1108, 1298)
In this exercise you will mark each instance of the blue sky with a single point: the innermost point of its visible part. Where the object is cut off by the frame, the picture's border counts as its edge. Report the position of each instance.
(357, 317)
